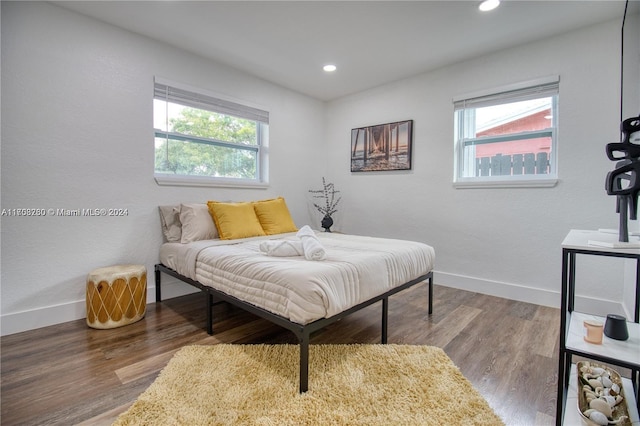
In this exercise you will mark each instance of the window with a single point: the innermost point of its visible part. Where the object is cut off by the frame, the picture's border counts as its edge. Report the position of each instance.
(507, 137)
(204, 140)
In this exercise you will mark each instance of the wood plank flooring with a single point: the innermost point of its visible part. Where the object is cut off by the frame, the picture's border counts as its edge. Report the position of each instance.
(70, 374)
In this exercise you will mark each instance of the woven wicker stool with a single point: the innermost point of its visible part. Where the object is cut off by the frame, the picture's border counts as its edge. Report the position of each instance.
(116, 296)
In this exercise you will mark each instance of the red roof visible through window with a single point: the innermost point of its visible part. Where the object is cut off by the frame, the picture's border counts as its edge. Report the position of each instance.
(536, 121)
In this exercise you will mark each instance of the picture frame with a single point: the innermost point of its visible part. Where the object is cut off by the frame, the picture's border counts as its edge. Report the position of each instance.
(382, 147)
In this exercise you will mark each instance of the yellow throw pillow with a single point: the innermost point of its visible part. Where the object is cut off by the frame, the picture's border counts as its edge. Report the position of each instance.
(274, 216)
(235, 220)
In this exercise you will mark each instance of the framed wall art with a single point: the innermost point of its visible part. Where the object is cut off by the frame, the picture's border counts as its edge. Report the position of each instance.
(382, 147)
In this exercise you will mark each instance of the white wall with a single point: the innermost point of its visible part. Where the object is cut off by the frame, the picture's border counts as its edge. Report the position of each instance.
(77, 133)
(504, 242)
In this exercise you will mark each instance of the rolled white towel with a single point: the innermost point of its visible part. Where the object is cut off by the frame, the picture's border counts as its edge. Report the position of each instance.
(282, 248)
(313, 249)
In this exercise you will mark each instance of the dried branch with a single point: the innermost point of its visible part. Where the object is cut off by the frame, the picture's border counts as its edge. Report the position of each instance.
(328, 193)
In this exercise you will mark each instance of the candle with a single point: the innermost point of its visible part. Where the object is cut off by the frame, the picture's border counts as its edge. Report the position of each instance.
(593, 331)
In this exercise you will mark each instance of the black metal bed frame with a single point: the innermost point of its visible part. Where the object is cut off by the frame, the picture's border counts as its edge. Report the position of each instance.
(302, 332)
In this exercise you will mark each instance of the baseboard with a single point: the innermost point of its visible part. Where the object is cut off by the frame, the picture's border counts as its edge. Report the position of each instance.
(171, 287)
(51, 315)
(42, 317)
(511, 291)
(521, 293)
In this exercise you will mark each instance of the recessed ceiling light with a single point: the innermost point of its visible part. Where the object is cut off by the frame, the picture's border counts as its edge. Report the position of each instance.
(488, 5)
(329, 68)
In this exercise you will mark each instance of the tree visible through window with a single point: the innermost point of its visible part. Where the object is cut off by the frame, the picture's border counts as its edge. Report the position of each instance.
(196, 135)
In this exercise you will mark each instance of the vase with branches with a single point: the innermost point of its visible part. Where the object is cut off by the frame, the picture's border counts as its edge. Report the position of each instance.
(328, 193)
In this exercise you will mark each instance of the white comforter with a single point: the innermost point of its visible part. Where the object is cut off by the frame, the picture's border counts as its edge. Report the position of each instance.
(356, 269)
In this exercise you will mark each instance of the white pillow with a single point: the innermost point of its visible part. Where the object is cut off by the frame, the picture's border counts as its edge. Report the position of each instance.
(171, 226)
(197, 223)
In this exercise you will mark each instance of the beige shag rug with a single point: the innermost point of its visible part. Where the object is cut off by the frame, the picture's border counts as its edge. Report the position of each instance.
(348, 385)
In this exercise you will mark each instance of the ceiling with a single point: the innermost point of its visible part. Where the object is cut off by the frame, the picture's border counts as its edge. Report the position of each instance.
(371, 42)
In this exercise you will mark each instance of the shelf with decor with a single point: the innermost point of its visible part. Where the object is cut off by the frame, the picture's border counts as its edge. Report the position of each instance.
(620, 353)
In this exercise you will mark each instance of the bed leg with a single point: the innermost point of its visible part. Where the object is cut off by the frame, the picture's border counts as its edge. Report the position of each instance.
(304, 362)
(158, 291)
(209, 308)
(385, 319)
(430, 294)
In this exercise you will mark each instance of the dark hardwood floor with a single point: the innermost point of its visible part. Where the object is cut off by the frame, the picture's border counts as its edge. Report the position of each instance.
(71, 374)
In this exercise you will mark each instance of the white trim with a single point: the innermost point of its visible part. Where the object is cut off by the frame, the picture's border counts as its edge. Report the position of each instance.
(171, 287)
(521, 293)
(50, 315)
(42, 317)
(202, 181)
(507, 183)
(498, 289)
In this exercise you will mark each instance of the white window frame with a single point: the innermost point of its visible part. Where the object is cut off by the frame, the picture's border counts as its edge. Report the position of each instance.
(544, 87)
(199, 98)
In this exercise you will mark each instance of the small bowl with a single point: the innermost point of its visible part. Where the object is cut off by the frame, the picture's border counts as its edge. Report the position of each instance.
(618, 411)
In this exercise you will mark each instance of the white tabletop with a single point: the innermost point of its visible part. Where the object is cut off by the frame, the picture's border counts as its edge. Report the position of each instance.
(606, 242)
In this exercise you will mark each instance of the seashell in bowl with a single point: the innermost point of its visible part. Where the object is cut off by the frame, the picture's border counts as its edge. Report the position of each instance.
(594, 396)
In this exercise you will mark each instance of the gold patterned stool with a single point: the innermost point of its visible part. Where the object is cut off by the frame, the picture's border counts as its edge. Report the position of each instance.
(116, 296)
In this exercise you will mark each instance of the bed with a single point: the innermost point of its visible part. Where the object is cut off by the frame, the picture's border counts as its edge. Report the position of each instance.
(291, 290)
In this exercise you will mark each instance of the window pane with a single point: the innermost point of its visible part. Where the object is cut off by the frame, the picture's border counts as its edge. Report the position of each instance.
(199, 159)
(172, 117)
(523, 157)
(510, 139)
(524, 146)
(198, 134)
(515, 117)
